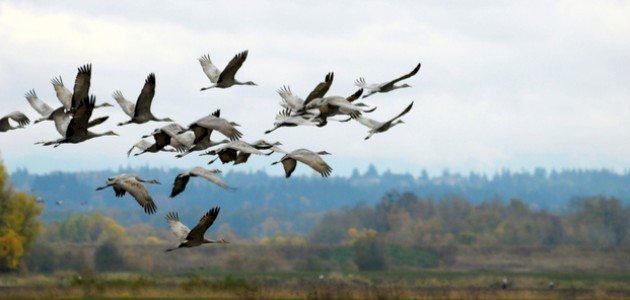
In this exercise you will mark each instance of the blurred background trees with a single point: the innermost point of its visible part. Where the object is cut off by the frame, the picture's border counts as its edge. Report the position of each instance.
(19, 224)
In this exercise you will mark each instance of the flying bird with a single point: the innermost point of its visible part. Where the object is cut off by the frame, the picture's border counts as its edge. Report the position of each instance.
(307, 157)
(385, 86)
(169, 136)
(75, 130)
(378, 127)
(143, 145)
(133, 184)
(182, 179)
(203, 127)
(230, 151)
(72, 100)
(16, 116)
(39, 106)
(223, 79)
(295, 103)
(140, 113)
(195, 237)
(286, 118)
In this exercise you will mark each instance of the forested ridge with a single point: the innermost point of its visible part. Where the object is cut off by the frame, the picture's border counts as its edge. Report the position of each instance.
(260, 196)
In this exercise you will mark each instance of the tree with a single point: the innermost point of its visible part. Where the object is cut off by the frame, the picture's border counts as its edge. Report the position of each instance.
(108, 257)
(19, 224)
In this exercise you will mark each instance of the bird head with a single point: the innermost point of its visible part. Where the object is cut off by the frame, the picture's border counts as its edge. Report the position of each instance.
(250, 83)
(404, 85)
(323, 153)
(153, 181)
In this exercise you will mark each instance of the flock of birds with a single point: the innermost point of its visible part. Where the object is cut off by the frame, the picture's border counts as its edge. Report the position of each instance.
(73, 120)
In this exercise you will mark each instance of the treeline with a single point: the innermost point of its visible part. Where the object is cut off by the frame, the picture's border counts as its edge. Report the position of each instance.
(401, 232)
(413, 221)
(260, 196)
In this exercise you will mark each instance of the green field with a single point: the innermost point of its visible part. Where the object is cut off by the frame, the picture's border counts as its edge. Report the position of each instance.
(313, 285)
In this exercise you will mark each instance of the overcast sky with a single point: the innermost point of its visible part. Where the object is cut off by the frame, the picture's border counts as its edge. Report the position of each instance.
(514, 84)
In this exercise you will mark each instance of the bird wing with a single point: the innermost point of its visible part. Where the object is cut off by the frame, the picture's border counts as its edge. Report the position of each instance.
(289, 164)
(142, 145)
(229, 131)
(182, 142)
(413, 72)
(81, 85)
(355, 96)
(367, 122)
(207, 174)
(179, 185)
(407, 109)
(79, 122)
(289, 100)
(63, 93)
(37, 104)
(342, 103)
(233, 66)
(143, 105)
(361, 83)
(139, 192)
(209, 68)
(203, 225)
(321, 89)
(18, 117)
(178, 228)
(127, 106)
(242, 157)
(161, 140)
(97, 121)
(227, 155)
(244, 147)
(313, 160)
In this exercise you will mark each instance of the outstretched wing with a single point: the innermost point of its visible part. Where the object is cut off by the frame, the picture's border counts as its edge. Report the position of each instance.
(37, 104)
(207, 174)
(127, 106)
(142, 145)
(81, 85)
(63, 93)
(407, 109)
(209, 68)
(289, 166)
(179, 185)
(178, 228)
(321, 89)
(203, 225)
(233, 66)
(289, 100)
(18, 117)
(355, 96)
(80, 118)
(413, 72)
(139, 192)
(143, 105)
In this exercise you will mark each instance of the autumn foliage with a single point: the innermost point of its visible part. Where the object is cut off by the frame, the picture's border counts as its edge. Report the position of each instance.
(19, 224)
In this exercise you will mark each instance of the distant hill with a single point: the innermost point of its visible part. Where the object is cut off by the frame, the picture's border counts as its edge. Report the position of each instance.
(297, 203)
